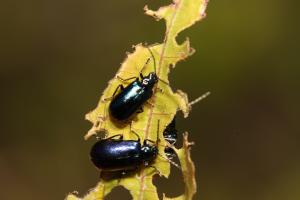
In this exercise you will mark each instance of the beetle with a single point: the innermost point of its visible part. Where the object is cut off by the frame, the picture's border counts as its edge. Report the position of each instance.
(170, 135)
(170, 132)
(113, 154)
(131, 98)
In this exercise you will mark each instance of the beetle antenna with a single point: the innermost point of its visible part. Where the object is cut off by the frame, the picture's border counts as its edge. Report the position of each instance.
(152, 55)
(163, 81)
(146, 63)
(199, 98)
(170, 161)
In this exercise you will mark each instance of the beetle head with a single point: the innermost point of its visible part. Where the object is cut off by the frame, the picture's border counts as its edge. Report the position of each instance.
(149, 152)
(150, 80)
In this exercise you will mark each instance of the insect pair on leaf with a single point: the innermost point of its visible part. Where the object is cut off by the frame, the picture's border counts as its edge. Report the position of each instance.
(114, 153)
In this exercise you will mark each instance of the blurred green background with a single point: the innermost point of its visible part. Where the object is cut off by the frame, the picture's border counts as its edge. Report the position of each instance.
(57, 57)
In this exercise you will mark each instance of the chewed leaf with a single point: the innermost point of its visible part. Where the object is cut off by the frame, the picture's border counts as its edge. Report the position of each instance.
(134, 186)
(158, 112)
(97, 193)
(188, 170)
(163, 105)
(180, 15)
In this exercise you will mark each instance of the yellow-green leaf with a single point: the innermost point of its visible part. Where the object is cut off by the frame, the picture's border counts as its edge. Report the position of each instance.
(161, 108)
(188, 171)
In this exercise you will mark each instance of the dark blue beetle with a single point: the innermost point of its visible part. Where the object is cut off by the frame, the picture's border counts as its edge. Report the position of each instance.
(115, 154)
(170, 132)
(122, 155)
(131, 98)
(170, 135)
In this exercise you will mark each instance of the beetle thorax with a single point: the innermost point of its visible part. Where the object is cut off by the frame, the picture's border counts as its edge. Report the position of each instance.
(150, 80)
(149, 152)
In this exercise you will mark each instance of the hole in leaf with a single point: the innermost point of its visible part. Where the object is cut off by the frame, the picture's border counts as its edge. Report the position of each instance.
(173, 186)
(118, 193)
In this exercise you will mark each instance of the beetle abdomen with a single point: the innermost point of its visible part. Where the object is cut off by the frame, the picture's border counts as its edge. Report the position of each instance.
(127, 102)
(115, 155)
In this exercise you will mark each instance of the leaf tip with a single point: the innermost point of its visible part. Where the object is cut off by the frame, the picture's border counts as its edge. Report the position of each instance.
(203, 9)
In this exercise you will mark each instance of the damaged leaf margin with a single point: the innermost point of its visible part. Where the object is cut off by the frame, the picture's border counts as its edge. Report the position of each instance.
(163, 106)
(188, 172)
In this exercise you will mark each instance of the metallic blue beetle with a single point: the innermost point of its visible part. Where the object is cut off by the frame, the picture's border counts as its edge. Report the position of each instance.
(122, 155)
(131, 98)
(170, 135)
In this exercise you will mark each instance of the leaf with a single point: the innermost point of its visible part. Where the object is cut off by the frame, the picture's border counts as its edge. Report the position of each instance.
(179, 15)
(188, 170)
(97, 193)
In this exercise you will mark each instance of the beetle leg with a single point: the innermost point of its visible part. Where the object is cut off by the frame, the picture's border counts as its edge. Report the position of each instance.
(139, 139)
(141, 75)
(117, 175)
(126, 79)
(148, 140)
(144, 67)
(110, 98)
(163, 81)
(140, 110)
(118, 135)
(121, 88)
(123, 173)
